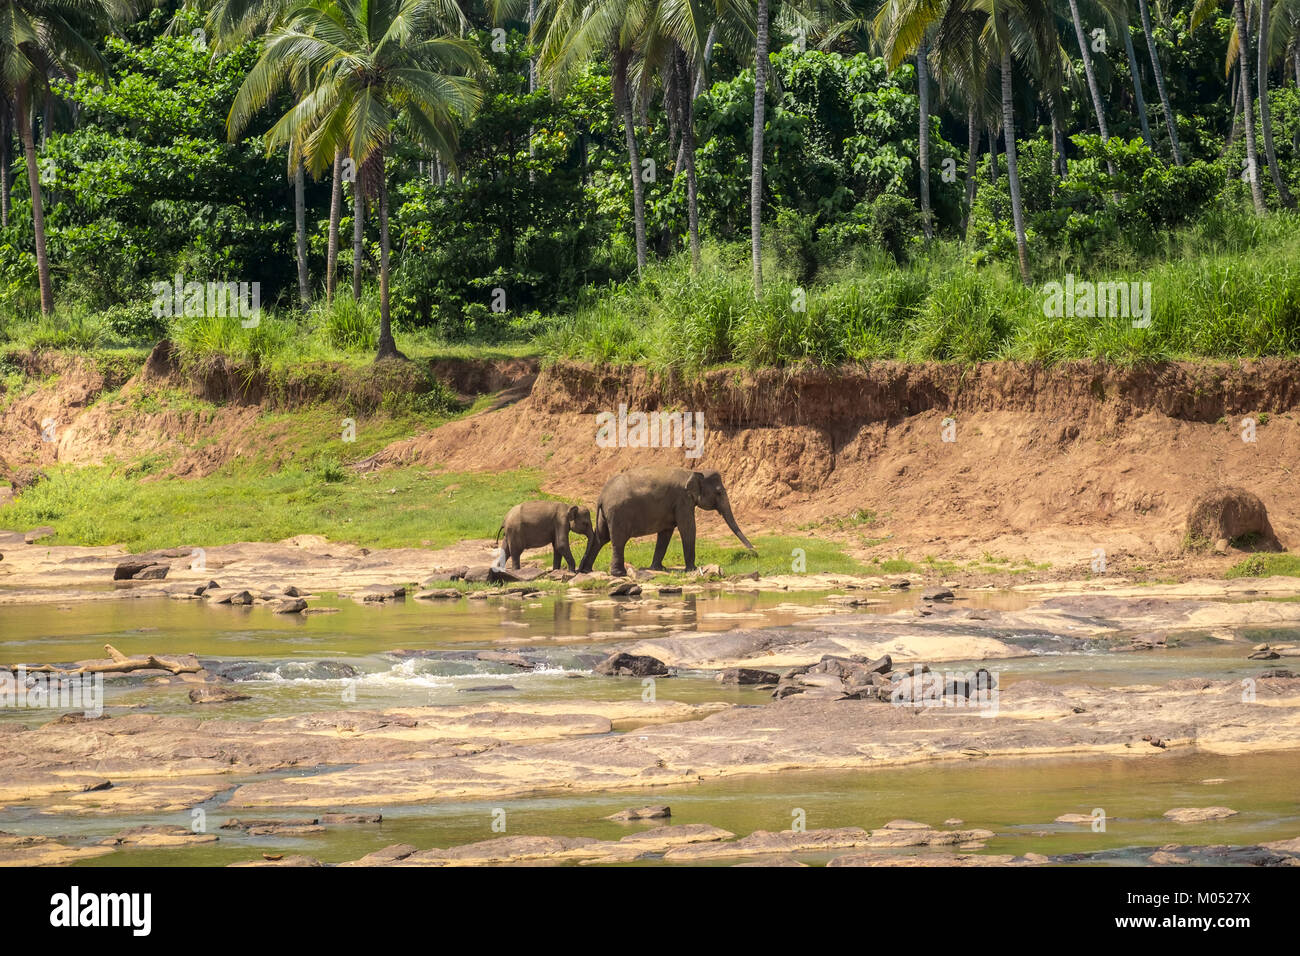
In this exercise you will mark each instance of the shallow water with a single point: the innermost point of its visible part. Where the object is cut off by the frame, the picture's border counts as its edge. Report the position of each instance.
(409, 653)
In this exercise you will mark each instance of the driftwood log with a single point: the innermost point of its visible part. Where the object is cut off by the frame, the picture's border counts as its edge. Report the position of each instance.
(120, 664)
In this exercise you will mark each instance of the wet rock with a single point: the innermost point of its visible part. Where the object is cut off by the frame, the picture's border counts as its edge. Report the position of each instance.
(268, 826)
(42, 851)
(504, 657)
(670, 589)
(379, 593)
(1198, 814)
(505, 575)
(154, 572)
(477, 575)
(747, 675)
(215, 695)
(127, 570)
(485, 688)
(659, 812)
(452, 574)
(631, 665)
(350, 819)
(275, 859)
(291, 606)
(937, 594)
(709, 571)
(1149, 640)
(389, 854)
(439, 594)
(625, 589)
(158, 836)
(1262, 652)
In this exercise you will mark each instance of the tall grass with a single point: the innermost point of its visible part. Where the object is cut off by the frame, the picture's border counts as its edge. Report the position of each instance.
(1229, 288)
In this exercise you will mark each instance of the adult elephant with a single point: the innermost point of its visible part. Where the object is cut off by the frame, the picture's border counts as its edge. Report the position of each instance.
(657, 501)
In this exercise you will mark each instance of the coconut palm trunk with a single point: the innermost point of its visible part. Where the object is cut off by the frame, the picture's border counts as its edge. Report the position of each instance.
(756, 157)
(300, 230)
(923, 137)
(972, 163)
(1013, 173)
(387, 347)
(1093, 89)
(1247, 111)
(1265, 119)
(688, 142)
(993, 154)
(6, 157)
(358, 234)
(336, 213)
(1171, 125)
(38, 209)
(624, 101)
(1139, 99)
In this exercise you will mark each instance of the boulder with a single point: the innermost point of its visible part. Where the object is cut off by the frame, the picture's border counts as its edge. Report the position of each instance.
(215, 695)
(154, 572)
(291, 606)
(1234, 514)
(937, 594)
(127, 570)
(659, 812)
(438, 594)
(478, 575)
(503, 575)
(37, 534)
(1198, 814)
(631, 665)
(625, 589)
(747, 675)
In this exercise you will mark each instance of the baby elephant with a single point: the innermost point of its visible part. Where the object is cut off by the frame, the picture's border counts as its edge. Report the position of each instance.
(535, 524)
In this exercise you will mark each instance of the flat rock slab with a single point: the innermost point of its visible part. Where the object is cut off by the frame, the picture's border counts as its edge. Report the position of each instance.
(157, 763)
(1032, 720)
(1198, 814)
(153, 837)
(521, 849)
(42, 851)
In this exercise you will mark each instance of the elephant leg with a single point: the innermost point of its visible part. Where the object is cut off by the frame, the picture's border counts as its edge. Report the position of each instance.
(568, 558)
(598, 541)
(516, 549)
(661, 548)
(617, 568)
(686, 528)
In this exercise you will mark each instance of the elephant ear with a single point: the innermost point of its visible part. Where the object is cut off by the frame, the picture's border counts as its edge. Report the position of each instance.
(695, 487)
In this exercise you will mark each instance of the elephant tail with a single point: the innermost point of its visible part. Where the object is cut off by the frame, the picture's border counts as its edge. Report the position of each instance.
(498, 537)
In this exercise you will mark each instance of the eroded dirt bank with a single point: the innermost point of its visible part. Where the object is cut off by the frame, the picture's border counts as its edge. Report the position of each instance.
(1045, 463)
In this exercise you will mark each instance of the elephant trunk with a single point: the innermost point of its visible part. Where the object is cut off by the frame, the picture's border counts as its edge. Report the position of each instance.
(724, 509)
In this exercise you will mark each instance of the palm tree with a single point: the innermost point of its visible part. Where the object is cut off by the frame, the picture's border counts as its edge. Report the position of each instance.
(1008, 30)
(1086, 56)
(1171, 124)
(369, 67)
(1265, 117)
(756, 156)
(675, 44)
(573, 32)
(1140, 101)
(40, 39)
